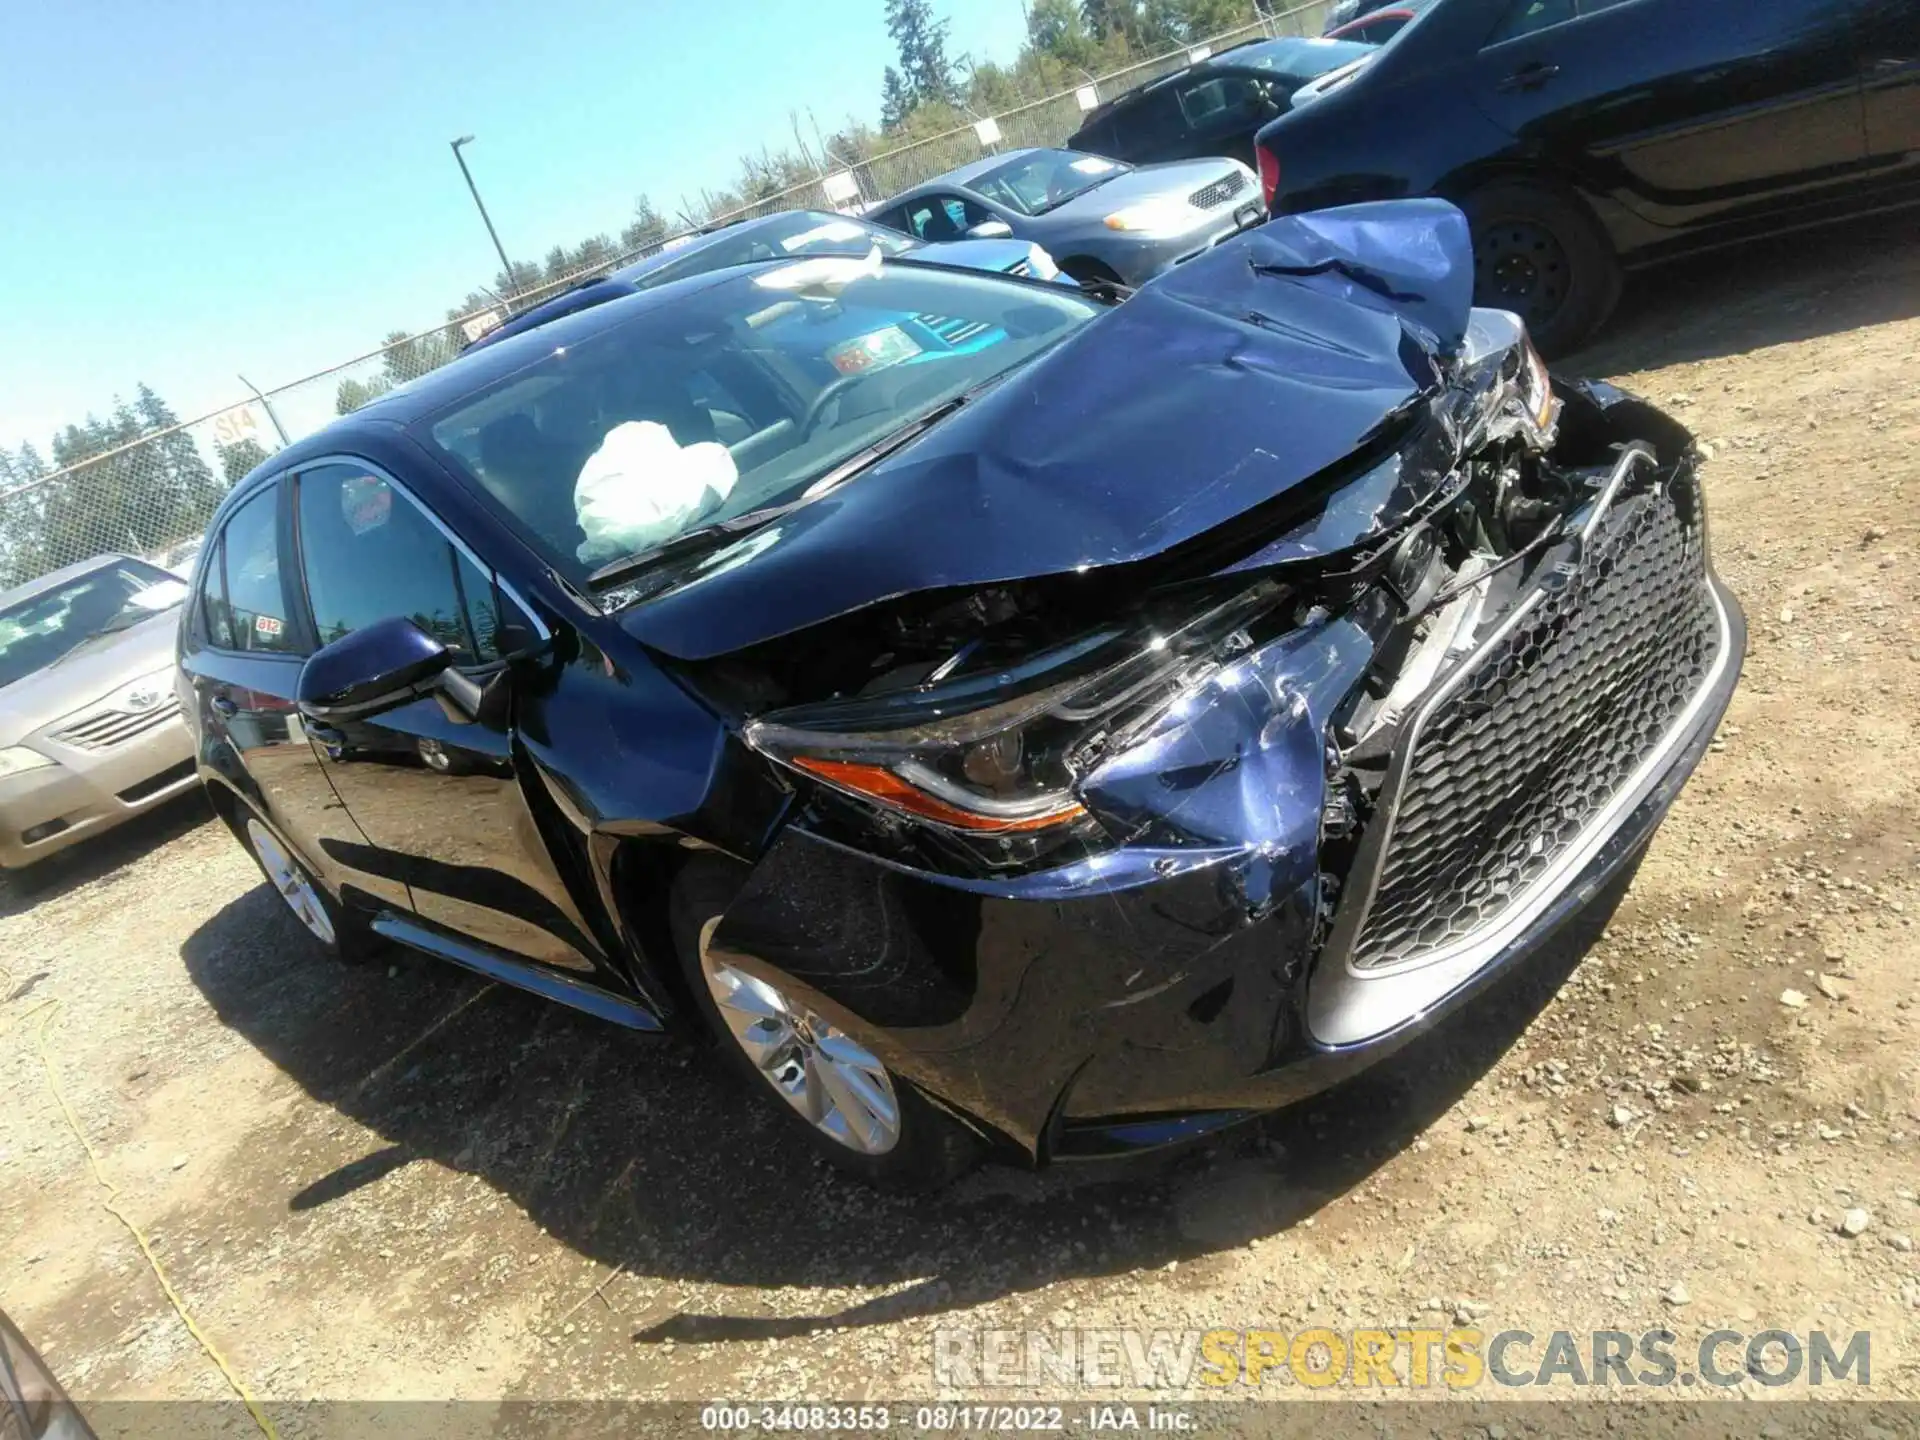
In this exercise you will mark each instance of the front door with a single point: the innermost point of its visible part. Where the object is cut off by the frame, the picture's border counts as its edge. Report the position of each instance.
(436, 797)
(1691, 113)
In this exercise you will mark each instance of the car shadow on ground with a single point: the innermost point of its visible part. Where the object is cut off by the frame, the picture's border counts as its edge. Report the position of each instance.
(101, 855)
(644, 1154)
(1796, 287)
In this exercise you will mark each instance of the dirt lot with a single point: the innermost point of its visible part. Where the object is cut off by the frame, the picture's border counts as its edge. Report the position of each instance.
(400, 1182)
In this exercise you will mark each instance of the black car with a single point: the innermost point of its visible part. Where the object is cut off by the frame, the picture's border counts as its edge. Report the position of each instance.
(1584, 137)
(1214, 107)
(996, 716)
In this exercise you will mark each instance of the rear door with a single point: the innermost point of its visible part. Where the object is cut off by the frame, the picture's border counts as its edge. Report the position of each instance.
(247, 644)
(1691, 113)
(437, 798)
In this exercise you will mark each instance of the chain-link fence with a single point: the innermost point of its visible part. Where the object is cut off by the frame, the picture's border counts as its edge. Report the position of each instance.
(153, 496)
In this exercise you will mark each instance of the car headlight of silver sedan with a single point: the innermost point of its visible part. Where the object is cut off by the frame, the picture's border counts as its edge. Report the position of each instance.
(18, 759)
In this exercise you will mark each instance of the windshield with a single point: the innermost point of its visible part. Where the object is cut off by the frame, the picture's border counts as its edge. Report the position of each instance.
(1043, 180)
(36, 633)
(698, 408)
(795, 235)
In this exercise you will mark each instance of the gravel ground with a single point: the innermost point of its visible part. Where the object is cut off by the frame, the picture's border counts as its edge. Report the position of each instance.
(400, 1182)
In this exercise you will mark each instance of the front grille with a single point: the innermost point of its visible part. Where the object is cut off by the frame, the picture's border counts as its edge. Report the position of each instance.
(1219, 192)
(1515, 762)
(107, 728)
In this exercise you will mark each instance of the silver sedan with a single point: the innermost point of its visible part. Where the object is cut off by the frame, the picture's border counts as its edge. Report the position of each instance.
(90, 729)
(1101, 219)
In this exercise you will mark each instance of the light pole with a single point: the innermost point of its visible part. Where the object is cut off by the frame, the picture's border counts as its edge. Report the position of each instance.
(506, 265)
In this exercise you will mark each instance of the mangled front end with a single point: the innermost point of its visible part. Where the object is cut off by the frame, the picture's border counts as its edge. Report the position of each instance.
(1102, 859)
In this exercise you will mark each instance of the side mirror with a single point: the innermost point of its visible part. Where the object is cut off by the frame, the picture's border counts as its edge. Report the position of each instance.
(990, 230)
(376, 668)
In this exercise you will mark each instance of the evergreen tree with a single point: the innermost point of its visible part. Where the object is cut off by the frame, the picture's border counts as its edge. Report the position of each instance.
(925, 74)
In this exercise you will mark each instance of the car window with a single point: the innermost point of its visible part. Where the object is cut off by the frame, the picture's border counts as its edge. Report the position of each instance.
(938, 218)
(1223, 100)
(369, 553)
(62, 619)
(779, 237)
(1037, 181)
(252, 610)
(1525, 17)
(211, 599)
(733, 398)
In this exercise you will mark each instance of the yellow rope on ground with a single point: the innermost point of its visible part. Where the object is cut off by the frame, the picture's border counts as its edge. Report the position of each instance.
(112, 1205)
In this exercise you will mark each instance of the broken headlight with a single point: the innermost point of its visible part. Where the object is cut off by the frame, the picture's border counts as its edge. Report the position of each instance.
(997, 753)
(1504, 384)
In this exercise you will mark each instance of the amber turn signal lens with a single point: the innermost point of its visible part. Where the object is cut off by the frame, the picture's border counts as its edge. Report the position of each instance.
(876, 782)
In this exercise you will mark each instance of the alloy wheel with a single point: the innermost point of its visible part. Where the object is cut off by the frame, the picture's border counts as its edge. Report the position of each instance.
(291, 881)
(828, 1077)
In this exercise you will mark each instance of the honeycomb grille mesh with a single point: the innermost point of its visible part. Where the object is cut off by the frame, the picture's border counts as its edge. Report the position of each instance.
(1219, 192)
(1512, 766)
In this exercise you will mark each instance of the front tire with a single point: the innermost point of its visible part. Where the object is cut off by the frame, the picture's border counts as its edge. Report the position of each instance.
(851, 1108)
(1540, 254)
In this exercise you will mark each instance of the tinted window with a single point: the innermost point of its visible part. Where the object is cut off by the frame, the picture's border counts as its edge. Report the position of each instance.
(369, 554)
(253, 611)
(214, 620)
(1225, 100)
(1527, 16)
(1151, 121)
(937, 218)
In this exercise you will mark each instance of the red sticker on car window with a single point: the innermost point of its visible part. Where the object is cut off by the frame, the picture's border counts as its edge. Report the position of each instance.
(265, 625)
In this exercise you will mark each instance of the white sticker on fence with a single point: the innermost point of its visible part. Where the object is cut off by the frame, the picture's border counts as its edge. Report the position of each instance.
(230, 427)
(988, 130)
(839, 187)
(1198, 53)
(480, 324)
(1087, 97)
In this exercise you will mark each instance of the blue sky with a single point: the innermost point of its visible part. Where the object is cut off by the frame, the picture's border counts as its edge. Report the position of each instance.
(192, 189)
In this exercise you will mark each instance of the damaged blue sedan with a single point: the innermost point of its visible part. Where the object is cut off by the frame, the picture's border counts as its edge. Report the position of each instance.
(998, 718)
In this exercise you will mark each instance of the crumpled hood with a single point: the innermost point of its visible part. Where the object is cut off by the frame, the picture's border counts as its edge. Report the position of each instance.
(90, 674)
(1213, 389)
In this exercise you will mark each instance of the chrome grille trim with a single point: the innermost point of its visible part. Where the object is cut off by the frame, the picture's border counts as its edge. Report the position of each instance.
(1219, 192)
(1355, 944)
(107, 728)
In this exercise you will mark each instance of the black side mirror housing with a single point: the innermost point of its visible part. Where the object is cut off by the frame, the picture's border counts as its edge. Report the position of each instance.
(378, 667)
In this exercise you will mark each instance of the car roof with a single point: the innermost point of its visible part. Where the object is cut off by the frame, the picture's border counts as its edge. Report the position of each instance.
(55, 579)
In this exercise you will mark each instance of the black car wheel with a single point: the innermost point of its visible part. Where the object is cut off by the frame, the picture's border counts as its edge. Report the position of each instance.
(1540, 255)
(853, 1110)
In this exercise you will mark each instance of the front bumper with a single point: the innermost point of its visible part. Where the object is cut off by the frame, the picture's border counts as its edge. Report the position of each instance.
(1205, 971)
(44, 811)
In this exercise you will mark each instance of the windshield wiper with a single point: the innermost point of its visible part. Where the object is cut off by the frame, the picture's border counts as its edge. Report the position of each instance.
(711, 536)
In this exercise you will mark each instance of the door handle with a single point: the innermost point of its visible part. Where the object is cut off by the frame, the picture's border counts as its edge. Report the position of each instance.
(1529, 77)
(223, 707)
